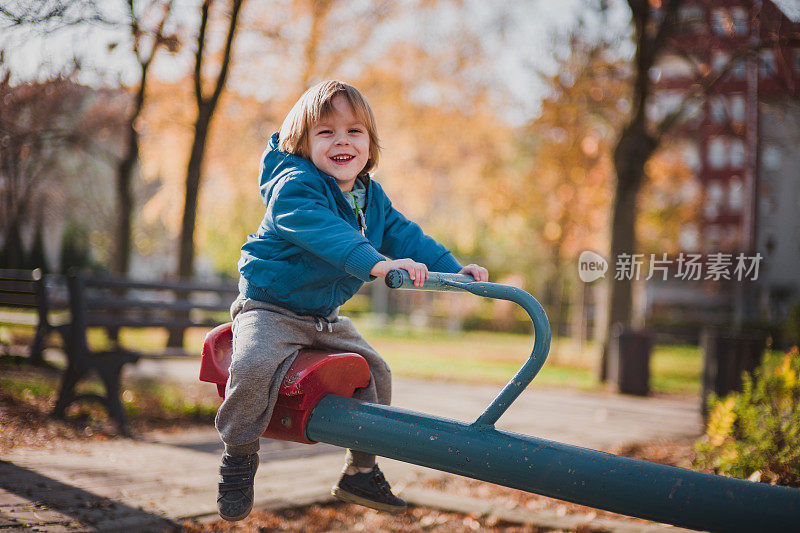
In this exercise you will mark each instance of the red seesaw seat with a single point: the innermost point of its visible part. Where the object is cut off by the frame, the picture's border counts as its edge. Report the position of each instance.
(313, 375)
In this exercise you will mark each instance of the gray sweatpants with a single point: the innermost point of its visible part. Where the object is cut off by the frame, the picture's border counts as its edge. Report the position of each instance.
(266, 339)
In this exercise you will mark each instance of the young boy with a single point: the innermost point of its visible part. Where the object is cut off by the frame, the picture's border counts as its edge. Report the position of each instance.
(328, 228)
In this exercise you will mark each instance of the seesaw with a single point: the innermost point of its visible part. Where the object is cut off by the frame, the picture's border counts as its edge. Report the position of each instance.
(315, 405)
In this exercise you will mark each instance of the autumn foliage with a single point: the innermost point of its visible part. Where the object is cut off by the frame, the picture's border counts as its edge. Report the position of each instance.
(755, 433)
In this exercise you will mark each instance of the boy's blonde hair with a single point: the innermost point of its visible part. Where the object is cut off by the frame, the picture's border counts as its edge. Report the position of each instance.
(315, 104)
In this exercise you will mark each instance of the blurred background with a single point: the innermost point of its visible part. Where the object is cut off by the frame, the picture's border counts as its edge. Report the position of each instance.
(633, 164)
(519, 134)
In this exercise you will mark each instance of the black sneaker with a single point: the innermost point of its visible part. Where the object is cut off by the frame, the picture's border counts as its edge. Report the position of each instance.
(235, 499)
(370, 490)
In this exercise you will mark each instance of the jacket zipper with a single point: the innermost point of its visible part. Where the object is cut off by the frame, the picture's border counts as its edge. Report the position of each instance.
(353, 216)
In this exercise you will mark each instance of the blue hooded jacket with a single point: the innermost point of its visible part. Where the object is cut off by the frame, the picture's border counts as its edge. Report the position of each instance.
(308, 255)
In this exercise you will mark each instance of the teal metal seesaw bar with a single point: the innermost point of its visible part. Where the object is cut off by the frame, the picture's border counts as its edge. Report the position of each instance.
(628, 486)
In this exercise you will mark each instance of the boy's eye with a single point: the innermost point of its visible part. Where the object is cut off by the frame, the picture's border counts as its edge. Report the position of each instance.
(324, 132)
(356, 130)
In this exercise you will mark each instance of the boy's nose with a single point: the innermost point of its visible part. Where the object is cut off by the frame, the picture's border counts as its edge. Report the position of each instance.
(341, 139)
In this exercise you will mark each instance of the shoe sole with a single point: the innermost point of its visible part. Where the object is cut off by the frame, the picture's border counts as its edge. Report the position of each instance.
(236, 518)
(352, 498)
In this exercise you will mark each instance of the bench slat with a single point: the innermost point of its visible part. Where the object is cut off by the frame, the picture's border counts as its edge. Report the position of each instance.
(122, 322)
(16, 299)
(95, 304)
(184, 286)
(16, 274)
(115, 302)
(13, 285)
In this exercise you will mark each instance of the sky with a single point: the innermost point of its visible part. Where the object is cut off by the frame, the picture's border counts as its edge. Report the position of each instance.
(791, 8)
(520, 38)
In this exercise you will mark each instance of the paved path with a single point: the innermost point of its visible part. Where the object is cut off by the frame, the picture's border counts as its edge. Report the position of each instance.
(142, 484)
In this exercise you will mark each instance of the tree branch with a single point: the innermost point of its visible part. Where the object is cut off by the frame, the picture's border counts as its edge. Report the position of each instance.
(62, 13)
(226, 57)
(198, 56)
(706, 83)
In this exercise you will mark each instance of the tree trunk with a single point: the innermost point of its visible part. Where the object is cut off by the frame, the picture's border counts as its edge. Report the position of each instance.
(205, 112)
(13, 255)
(122, 252)
(193, 176)
(634, 148)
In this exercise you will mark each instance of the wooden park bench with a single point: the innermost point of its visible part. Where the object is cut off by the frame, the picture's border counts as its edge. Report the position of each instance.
(31, 298)
(112, 303)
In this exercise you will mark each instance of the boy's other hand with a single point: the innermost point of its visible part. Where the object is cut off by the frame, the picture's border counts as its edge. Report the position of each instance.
(476, 271)
(417, 271)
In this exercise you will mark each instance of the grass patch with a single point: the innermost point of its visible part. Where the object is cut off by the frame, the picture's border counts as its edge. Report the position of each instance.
(168, 402)
(493, 358)
(152, 340)
(28, 388)
(676, 369)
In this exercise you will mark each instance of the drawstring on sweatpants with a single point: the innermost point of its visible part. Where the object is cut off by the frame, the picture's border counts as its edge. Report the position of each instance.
(319, 320)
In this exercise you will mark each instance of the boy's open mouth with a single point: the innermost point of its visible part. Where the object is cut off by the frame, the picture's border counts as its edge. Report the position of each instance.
(342, 159)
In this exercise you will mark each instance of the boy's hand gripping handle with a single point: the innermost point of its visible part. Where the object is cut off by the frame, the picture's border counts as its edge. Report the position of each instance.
(437, 281)
(441, 281)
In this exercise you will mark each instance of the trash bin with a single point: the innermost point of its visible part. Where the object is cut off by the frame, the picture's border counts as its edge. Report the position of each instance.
(727, 353)
(629, 360)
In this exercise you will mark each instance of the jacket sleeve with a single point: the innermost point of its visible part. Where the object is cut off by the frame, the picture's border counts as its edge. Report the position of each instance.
(404, 238)
(301, 215)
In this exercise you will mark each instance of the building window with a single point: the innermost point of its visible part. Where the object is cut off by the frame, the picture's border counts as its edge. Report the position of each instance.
(736, 153)
(667, 102)
(766, 63)
(717, 152)
(715, 193)
(694, 113)
(719, 115)
(770, 157)
(713, 236)
(711, 210)
(689, 238)
(739, 69)
(796, 64)
(735, 194)
(691, 156)
(692, 19)
(673, 67)
(740, 23)
(713, 201)
(720, 61)
(721, 22)
(737, 108)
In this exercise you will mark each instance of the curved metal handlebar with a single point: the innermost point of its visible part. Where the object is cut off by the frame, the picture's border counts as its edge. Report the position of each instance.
(440, 281)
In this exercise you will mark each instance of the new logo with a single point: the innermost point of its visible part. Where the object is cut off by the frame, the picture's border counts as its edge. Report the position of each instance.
(591, 266)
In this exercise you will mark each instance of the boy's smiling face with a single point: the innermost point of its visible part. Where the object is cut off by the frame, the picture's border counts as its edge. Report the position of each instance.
(339, 144)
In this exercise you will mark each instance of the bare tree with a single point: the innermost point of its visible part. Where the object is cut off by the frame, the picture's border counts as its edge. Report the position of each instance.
(145, 45)
(206, 105)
